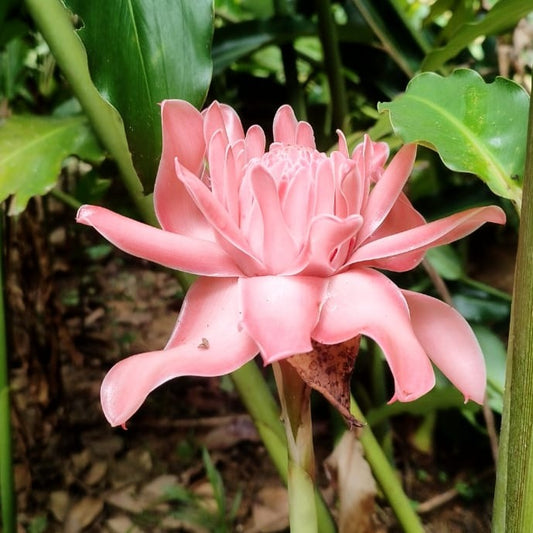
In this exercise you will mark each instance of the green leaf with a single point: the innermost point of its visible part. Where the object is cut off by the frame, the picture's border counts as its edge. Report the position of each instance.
(495, 357)
(478, 306)
(446, 261)
(141, 52)
(32, 150)
(503, 16)
(444, 397)
(475, 127)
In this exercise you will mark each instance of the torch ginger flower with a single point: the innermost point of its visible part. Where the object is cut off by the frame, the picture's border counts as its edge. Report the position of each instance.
(288, 244)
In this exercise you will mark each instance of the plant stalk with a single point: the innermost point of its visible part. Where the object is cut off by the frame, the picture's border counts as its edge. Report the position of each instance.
(333, 64)
(386, 477)
(7, 484)
(513, 501)
(295, 395)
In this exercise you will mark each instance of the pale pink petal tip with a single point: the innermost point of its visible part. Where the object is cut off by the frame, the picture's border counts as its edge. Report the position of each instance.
(83, 214)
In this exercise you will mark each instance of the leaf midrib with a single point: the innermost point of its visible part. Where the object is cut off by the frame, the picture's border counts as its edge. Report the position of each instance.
(139, 50)
(41, 138)
(467, 133)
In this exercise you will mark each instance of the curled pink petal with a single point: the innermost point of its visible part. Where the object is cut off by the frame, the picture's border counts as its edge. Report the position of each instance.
(435, 233)
(231, 237)
(365, 302)
(327, 234)
(222, 117)
(449, 342)
(206, 342)
(279, 313)
(182, 138)
(276, 236)
(163, 247)
(285, 125)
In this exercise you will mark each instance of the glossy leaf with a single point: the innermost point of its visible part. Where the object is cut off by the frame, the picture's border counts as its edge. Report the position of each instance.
(503, 16)
(32, 150)
(141, 52)
(474, 126)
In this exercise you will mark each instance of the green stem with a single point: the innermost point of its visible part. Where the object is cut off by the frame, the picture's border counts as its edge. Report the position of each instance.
(54, 22)
(332, 64)
(7, 485)
(386, 477)
(513, 501)
(295, 395)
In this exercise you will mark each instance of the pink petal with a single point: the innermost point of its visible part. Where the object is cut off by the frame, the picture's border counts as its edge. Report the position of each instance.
(449, 342)
(279, 313)
(343, 144)
(206, 342)
(402, 216)
(296, 203)
(222, 117)
(326, 235)
(387, 189)
(374, 155)
(285, 125)
(305, 135)
(255, 142)
(365, 302)
(230, 236)
(163, 247)
(279, 249)
(435, 233)
(182, 138)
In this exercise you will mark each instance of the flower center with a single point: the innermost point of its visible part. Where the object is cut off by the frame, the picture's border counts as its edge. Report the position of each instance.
(283, 161)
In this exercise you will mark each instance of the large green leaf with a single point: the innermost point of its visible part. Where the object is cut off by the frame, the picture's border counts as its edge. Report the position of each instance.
(32, 150)
(474, 126)
(141, 52)
(503, 16)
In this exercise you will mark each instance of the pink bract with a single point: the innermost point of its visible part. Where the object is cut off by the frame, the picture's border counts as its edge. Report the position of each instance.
(288, 244)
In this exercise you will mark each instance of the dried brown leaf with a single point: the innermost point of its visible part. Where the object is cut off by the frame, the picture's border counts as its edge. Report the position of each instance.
(82, 514)
(355, 484)
(328, 369)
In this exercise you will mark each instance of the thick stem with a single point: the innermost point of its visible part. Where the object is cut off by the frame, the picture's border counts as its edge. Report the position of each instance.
(295, 397)
(7, 485)
(387, 478)
(513, 501)
(54, 22)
